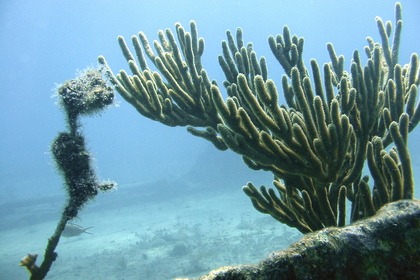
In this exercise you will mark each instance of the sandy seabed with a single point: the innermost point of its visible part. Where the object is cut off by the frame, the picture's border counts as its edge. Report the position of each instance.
(140, 235)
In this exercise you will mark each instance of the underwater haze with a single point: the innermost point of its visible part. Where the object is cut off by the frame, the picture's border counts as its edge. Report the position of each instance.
(179, 210)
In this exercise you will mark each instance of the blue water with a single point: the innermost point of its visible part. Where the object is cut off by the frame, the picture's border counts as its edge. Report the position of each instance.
(43, 43)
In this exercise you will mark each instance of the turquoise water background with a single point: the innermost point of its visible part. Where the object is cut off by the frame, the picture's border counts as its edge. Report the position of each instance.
(45, 42)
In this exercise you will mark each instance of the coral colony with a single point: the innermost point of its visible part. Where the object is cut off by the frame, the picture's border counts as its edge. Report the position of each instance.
(316, 145)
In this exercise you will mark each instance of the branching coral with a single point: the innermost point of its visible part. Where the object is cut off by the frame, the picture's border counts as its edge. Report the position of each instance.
(316, 145)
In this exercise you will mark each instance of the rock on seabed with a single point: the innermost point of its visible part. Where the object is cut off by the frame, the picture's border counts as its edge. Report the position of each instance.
(384, 246)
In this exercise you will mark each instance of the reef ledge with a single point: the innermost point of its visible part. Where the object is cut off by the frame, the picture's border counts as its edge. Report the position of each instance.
(384, 246)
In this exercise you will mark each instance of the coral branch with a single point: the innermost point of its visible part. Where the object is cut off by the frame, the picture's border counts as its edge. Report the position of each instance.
(316, 146)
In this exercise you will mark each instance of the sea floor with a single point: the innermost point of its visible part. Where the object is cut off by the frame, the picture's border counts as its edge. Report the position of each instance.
(144, 235)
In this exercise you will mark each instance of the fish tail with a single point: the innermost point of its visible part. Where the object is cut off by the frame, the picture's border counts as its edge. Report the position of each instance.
(88, 231)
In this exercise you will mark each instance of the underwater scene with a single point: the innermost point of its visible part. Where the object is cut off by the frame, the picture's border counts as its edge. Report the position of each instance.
(164, 140)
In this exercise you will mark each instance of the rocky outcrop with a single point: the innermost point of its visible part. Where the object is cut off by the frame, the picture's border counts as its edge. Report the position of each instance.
(384, 246)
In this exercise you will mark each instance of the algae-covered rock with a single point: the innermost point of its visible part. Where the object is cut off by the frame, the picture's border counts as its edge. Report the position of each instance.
(384, 246)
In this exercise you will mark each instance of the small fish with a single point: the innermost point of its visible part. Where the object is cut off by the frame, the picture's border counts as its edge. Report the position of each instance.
(74, 230)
